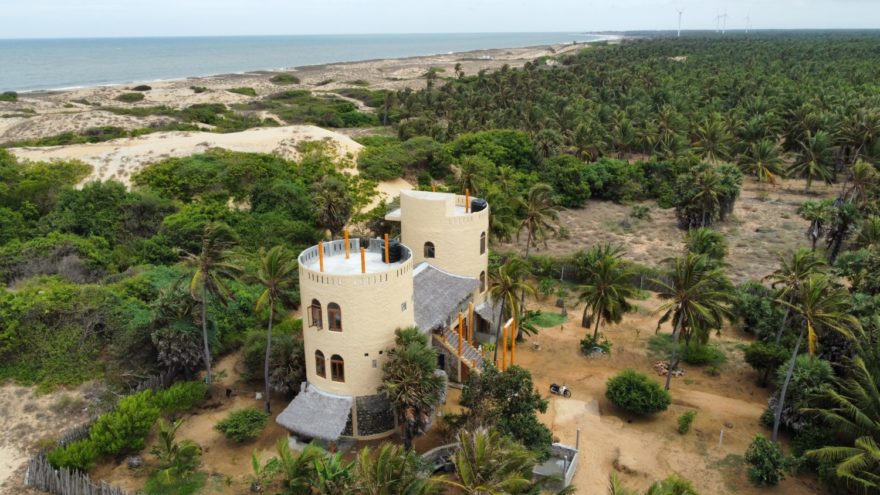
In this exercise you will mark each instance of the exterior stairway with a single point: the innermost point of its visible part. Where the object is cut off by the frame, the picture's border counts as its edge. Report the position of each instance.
(470, 356)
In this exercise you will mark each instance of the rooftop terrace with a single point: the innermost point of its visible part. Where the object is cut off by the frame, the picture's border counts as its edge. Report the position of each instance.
(335, 262)
(455, 204)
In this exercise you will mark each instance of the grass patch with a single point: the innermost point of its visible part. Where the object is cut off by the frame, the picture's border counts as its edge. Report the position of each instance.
(660, 347)
(300, 106)
(9, 96)
(142, 87)
(244, 91)
(284, 79)
(548, 320)
(198, 89)
(358, 82)
(190, 485)
(370, 98)
(130, 97)
(324, 82)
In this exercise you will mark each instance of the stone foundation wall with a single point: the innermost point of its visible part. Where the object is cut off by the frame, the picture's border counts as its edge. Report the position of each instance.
(374, 415)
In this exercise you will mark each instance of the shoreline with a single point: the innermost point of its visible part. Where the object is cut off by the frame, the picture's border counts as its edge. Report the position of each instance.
(600, 38)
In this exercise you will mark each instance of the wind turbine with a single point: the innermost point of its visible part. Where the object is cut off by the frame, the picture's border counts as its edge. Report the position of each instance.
(748, 23)
(724, 22)
(680, 11)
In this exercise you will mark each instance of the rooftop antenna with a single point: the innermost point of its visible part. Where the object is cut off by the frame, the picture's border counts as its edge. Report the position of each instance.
(680, 11)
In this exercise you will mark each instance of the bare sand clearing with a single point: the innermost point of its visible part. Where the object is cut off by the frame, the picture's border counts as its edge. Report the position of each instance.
(644, 450)
(764, 223)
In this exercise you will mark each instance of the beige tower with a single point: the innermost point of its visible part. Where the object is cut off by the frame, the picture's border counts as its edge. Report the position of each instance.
(445, 231)
(352, 304)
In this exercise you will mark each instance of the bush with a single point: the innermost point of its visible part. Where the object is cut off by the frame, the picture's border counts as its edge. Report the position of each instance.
(243, 425)
(765, 358)
(130, 97)
(284, 79)
(637, 394)
(589, 345)
(685, 421)
(198, 89)
(9, 96)
(79, 455)
(700, 355)
(768, 463)
(243, 91)
(142, 87)
(181, 396)
(641, 212)
(124, 428)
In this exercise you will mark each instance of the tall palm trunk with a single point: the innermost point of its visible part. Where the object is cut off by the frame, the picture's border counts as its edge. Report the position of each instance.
(673, 359)
(205, 334)
(596, 330)
(784, 319)
(522, 294)
(777, 416)
(498, 331)
(268, 351)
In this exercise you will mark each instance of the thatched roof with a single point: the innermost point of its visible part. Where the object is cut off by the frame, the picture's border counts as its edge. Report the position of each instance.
(438, 294)
(316, 414)
(489, 311)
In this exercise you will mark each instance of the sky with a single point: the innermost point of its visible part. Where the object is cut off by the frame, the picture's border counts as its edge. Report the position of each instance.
(126, 18)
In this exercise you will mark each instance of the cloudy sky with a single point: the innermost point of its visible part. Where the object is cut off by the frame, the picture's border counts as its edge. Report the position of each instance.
(99, 18)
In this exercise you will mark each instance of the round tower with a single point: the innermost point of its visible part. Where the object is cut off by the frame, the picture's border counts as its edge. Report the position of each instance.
(353, 301)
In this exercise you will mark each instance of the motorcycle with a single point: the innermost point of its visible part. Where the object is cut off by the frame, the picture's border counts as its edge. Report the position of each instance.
(560, 390)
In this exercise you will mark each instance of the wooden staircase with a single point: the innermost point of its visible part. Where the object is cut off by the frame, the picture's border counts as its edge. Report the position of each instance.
(469, 355)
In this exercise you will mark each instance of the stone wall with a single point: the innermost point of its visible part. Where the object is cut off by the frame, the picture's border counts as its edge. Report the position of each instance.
(374, 415)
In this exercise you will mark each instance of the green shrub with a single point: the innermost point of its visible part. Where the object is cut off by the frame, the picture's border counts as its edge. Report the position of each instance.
(130, 97)
(142, 87)
(324, 82)
(703, 354)
(765, 358)
(181, 396)
(641, 212)
(198, 89)
(9, 96)
(284, 79)
(243, 425)
(243, 91)
(636, 393)
(124, 428)
(358, 82)
(79, 455)
(190, 485)
(589, 345)
(685, 421)
(768, 463)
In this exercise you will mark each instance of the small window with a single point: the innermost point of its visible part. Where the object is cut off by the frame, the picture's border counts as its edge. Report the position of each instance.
(337, 368)
(320, 369)
(334, 315)
(482, 281)
(429, 250)
(483, 243)
(403, 306)
(315, 314)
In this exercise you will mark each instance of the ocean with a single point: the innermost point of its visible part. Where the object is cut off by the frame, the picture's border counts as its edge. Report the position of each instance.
(37, 64)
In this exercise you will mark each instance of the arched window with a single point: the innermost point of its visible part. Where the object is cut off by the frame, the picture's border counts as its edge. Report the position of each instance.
(334, 317)
(337, 368)
(429, 250)
(482, 281)
(320, 369)
(483, 243)
(315, 314)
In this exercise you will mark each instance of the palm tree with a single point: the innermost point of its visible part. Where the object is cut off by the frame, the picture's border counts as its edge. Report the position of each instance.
(539, 216)
(277, 273)
(763, 159)
(851, 410)
(607, 286)
(707, 241)
(298, 470)
(333, 203)
(488, 463)
(793, 271)
(699, 298)
(505, 283)
(333, 476)
(392, 471)
(410, 382)
(712, 140)
(814, 158)
(818, 213)
(844, 217)
(673, 485)
(869, 233)
(209, 273)
(176, 459)
(863, 180)
(823, 306)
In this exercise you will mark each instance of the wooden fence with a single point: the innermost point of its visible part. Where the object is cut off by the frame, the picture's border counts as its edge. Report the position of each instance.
(41, 475)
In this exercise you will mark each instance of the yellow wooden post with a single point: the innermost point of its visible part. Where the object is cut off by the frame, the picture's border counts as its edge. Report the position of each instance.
(345, 233)
(387, 258)
(467, 200)
(504, 348)
(471, 323)
(513, 343)
(321, 255)
(363, 261)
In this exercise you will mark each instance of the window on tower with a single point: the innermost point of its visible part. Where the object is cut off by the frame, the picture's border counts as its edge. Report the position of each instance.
(429, 250)
(334, 315)
(337, 368)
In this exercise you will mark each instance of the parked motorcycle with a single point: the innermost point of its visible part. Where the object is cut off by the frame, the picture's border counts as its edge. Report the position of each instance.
(560, 390)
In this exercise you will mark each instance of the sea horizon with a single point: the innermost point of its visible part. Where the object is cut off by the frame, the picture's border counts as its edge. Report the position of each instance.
(57, 64)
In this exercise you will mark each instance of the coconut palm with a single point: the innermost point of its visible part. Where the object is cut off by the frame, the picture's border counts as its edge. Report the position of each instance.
(539, 217)
(410, 382)
(298, 470)
(488, 463)
(706, 241)
(868, 234)
(818, 213)
(506, 283)
(712, 139)
(823, 307)
(392, 470)
(176, 459)
(277, 273)
(851, 410)
(763, 159)
(814, 158)
(333, 203)
(794, 269)
(699, 298)
(863, 182)
(209, 273)
(843, 220)
(607, 286)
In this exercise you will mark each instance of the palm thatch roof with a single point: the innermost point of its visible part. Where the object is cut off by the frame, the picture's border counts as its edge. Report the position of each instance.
(437, 295)
(316, 414)
(489, 311)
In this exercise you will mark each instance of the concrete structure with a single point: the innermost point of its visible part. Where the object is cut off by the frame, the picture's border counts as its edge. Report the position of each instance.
(354, 298)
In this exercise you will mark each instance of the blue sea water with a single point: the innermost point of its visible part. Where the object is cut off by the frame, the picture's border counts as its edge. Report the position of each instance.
(67, 63)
